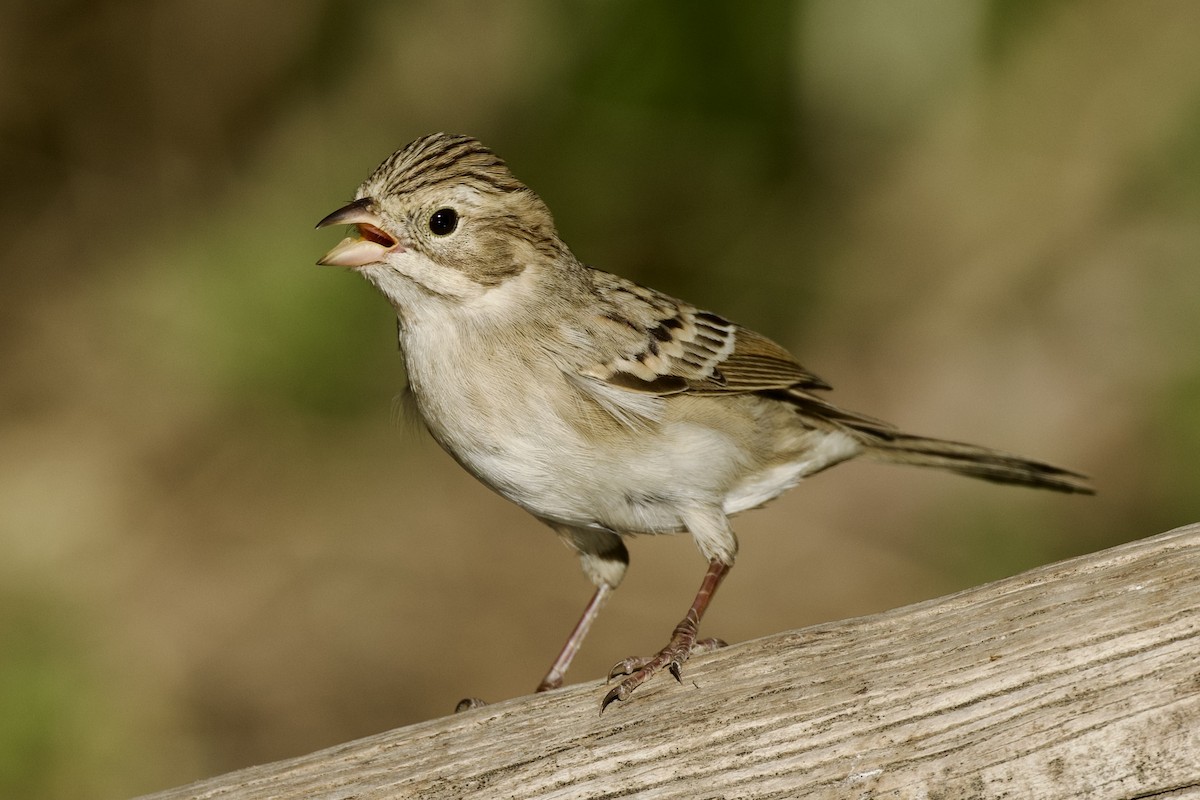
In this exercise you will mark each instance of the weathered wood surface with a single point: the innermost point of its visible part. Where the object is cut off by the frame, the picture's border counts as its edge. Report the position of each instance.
(1079, 679)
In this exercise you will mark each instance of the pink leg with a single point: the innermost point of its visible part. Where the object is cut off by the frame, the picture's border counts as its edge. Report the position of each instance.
(558, 669)
(683, 642)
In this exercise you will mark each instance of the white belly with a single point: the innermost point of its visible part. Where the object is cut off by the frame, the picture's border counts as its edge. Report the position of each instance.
(508, 426)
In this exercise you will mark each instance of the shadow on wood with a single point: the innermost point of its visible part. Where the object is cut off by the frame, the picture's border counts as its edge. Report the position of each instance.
(1079, 679)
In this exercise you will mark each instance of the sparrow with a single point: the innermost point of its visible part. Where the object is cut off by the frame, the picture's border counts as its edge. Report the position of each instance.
(604, 408)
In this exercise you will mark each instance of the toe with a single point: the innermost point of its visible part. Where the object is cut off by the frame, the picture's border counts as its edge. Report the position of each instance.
(628, 666)
(468, 703)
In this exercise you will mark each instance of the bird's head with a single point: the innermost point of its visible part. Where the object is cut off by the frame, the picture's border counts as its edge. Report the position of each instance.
(443, 216)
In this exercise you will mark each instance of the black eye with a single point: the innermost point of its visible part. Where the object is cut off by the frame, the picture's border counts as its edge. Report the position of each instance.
(443, 222)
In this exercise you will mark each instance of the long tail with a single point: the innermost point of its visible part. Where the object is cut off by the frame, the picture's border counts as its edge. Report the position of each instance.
(971, 460)
(882, 442)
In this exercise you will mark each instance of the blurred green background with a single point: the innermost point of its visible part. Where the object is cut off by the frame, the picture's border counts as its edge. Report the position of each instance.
(218, 544)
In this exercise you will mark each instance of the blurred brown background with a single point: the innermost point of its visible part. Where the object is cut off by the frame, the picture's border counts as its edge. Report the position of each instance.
(218, 545)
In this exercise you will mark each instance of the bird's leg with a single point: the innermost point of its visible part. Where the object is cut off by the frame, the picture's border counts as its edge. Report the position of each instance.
(558, 669)
(683, 642)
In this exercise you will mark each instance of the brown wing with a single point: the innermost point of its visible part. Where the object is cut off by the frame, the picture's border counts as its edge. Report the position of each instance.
(657, 345)
(755, 364)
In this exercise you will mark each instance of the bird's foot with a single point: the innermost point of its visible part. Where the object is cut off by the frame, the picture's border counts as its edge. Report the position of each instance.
(640, 669)
(468, 704)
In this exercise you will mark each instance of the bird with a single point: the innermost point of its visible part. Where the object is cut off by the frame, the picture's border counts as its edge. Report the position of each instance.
(604, 408)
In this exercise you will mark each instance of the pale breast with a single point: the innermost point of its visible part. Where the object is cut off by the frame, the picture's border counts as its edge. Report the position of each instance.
(514, 420)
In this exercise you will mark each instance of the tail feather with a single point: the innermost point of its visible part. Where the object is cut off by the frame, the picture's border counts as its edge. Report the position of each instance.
(882, 442)
(971, 460)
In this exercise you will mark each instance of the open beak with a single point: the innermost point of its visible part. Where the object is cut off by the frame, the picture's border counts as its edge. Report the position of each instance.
(367, 244)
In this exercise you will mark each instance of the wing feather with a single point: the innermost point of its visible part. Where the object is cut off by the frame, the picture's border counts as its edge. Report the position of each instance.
(654, 346)
(659, 345)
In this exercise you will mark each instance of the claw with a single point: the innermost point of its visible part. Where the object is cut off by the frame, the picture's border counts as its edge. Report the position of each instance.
(625, 688)
(468, 703)
(682, 644)
(612, 697)
(639, 670)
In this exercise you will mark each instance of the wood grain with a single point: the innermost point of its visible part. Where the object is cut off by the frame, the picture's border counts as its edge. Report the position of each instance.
(1079, 679)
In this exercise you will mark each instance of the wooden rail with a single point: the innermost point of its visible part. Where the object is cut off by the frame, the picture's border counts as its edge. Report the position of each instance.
(1076, 680)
